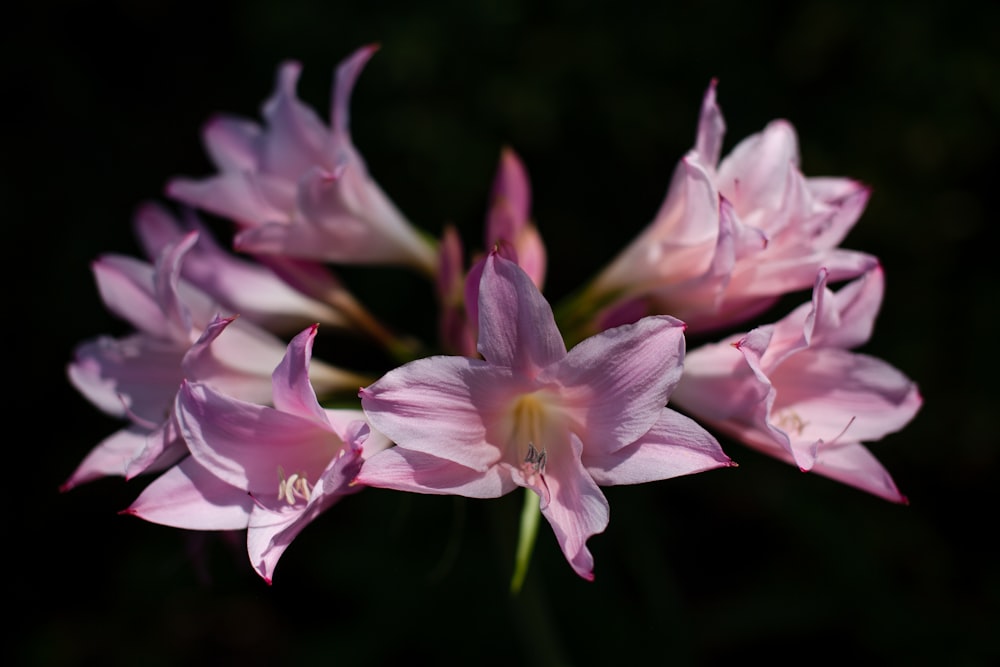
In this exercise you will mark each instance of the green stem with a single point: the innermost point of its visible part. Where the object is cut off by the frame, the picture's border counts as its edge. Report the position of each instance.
(530, 515)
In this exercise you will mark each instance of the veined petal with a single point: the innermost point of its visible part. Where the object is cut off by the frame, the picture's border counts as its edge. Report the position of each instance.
(516, 326)
(616, 383)
(188, 496)
(439, 406)
(408, 470)
(675, 446)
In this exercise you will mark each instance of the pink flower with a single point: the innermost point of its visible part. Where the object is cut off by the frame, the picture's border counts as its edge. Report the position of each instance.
(733, 236)
(793, 390)
(300, 189)
(530, 414)
(178, 335)
(270, 470)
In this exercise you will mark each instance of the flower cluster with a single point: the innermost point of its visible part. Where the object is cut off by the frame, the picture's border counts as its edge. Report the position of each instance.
(226, 406)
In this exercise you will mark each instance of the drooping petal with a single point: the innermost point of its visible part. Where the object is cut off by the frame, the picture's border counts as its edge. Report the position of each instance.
(676, 445)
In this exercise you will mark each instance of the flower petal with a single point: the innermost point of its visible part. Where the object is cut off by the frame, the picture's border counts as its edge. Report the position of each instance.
(417, 472)
(188, 496)
(675, 446)
(516, 326)
(438, 405)
(616, 383)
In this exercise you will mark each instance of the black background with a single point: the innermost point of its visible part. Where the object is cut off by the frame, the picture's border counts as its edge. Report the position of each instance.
(105, 102)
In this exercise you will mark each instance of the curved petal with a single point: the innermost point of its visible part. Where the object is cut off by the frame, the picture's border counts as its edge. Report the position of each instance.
(292, 391)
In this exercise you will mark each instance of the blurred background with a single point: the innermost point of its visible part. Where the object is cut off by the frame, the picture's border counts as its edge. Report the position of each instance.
(104, 103)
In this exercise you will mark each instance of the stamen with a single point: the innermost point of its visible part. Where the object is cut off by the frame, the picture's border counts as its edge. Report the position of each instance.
(789, 420)
(536, 459)
(294, 487)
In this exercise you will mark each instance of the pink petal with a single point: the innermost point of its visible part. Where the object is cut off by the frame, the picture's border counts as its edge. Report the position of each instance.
(617, 382)
(188, 496)
(245, 444)
(110, 457)
(675, 446)
(271, 530)
(711, 128)
(854, 465)
(292, 391)
(516, 326)
(437, 405)
(418, 472)
(232, 143)
(577, 509)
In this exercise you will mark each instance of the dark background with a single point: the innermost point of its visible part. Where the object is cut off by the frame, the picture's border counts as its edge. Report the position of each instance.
(105, 102)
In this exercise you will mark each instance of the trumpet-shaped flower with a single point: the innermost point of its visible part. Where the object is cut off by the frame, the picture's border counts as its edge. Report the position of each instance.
(298, 188)
(793, 389)
(530, 414)
(178, 335)
(733, 236)
(270, 470)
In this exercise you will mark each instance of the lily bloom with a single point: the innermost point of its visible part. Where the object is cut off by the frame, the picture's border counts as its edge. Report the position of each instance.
(530, 414)
(731, 237)
(177, 335)
(298, 188)
(793, 389)
(269, 470)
